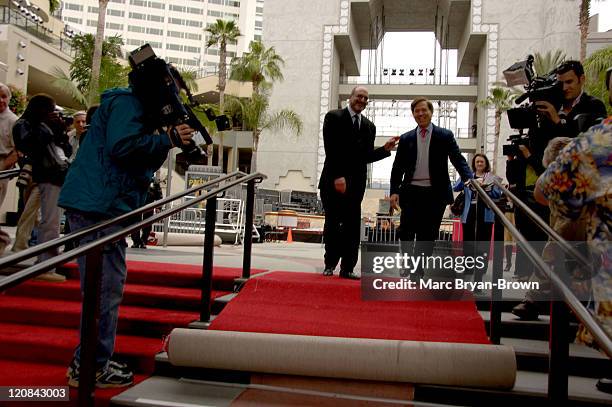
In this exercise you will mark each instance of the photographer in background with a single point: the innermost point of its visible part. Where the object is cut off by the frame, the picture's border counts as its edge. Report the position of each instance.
(524, 169)
(110, 177)
(8, 154)
(40, 134)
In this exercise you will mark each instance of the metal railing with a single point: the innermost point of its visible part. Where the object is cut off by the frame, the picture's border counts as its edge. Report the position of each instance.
(93, 253)
(11, 16)
(558, 371)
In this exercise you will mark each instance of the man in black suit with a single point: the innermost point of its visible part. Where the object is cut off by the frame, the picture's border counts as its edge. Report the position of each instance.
(420, 184)
(349, 146)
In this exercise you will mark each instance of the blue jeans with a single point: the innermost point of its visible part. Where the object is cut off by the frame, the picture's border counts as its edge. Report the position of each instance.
(113, 279)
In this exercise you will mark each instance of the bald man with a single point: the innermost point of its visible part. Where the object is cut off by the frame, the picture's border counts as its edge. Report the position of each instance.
(349, 147)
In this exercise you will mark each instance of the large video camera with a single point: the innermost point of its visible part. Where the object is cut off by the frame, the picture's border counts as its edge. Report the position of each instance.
(541, 88)
(156, 84)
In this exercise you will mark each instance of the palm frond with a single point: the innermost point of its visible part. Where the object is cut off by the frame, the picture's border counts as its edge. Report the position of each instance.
(283, 119)
(63, 82)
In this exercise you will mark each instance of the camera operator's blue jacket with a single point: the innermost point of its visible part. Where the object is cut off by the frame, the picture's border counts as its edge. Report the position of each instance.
(116, 161)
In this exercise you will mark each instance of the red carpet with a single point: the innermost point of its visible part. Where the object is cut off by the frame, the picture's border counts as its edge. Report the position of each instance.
(310, 304)
(39, 321)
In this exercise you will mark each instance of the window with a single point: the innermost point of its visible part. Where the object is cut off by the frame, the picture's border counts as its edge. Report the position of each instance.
(259, 10)
(174, 47)
(118, 1)
(193, 10)
(175, 34)
(215, 13)
(233, 3)
(191, 36)
(70, 6)
(155, 44)
(216, 1)
(177, 21)
(192, 49)
(258, 24)
(135, 42)
(231, 16)
(192, 23)
(174, 7)
(152, 17)
(154, 4)
(136, 29)
(141, 3)
(257, 37)
(211, 51)
(73, 20)
(112, 12)
(155, 31)
(92, 23)
(174, 60)
(93, 9)
(114, 26)
(138, 16)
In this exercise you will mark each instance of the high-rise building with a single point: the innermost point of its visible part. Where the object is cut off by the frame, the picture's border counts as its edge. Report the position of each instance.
(174, 28)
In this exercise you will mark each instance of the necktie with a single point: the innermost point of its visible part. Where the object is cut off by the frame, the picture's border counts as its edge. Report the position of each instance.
(423, 133)
(356, 123)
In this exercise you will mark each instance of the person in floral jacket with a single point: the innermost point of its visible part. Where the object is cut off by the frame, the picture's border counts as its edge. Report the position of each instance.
(581, 177)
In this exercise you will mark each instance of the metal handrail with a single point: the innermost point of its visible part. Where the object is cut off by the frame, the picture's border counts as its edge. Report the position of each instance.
(39, 268)
(563, 244)
(52, 244)
(9, 173)
(599, 335)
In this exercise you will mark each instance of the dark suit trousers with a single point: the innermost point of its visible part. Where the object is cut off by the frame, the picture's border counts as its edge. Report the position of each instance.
(422, 212)
(341, 231)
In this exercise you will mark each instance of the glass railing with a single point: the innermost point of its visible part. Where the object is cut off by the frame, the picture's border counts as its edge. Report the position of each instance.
(13, 17)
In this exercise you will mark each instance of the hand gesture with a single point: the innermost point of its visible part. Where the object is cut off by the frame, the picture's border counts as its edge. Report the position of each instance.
(391, 143)
(548, 110)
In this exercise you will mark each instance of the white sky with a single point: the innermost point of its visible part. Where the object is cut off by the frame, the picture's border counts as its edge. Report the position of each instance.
(396, 118)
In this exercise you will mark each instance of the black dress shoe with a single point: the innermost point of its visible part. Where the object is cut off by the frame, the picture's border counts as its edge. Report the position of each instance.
(526, 311)
(349, 275)
(328, 271)
(605, 385)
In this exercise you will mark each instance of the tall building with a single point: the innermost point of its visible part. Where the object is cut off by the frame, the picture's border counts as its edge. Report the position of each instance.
(174, 28)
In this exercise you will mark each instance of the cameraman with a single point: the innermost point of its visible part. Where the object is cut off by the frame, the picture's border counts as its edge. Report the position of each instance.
(110, 177)
(524, 169)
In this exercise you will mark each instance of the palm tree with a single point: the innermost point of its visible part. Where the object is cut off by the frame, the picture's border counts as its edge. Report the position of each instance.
(258, 66)
(53, 6)
(583, 23)
(256, 117)
(222, 32)
(544, 64)
(501, 99)
(97, 54)
(595, 67)
(77, 83)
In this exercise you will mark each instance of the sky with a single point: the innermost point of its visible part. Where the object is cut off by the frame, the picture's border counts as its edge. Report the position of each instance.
(395, 118)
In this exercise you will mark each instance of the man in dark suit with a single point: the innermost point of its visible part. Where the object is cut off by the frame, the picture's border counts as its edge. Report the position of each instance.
(349, 147)
(420, 184)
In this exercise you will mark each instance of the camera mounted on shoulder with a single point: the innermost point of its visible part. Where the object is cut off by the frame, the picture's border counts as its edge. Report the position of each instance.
(157, 85)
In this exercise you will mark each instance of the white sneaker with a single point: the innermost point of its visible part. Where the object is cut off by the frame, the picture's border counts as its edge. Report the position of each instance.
(51, 276)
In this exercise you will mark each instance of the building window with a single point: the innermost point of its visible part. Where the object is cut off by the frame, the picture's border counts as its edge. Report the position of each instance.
(154, 4)
(211, 51)
(191, 36)
(118, 1)
(92, 23)
(176, 34)
(155, 31)
(193, 10)
(192, 23)
(152, 17)
(215, 13)
(117, 13)
(75, 7)
(174, 47)
(174, 7)
(177, 21)
(93, 9)
(136, 29)
(195, 50)
(137, 43)
(114, 26)
(138, 16)
(257, 37)
(141, 3)
(258, 24)
(73, 20)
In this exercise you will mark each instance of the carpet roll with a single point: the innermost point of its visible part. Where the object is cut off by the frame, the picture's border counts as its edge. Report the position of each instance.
(466, 365)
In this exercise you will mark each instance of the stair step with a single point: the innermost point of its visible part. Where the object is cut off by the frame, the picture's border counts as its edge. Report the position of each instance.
(23, 342)
(167, 275)
(134, 294)
(530, 389)
(513, 327)
(151, 322)
(532, 355)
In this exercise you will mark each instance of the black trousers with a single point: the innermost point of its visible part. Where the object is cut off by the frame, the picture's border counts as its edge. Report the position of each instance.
(476, 233)
(342, 226)
(523, 267)
(422, 212)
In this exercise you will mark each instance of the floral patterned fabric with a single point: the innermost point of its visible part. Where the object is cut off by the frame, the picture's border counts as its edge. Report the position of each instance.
(579, 180)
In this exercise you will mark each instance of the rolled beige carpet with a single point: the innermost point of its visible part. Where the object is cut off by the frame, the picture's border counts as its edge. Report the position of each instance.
(467, 365)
